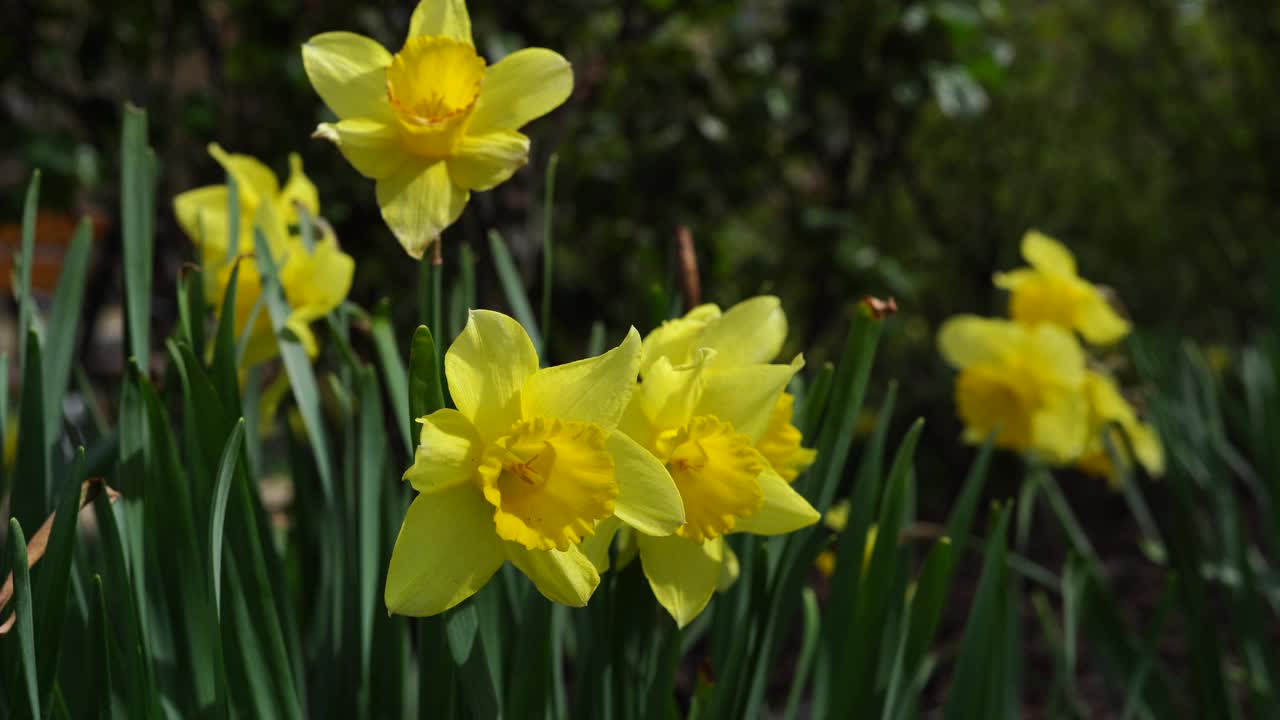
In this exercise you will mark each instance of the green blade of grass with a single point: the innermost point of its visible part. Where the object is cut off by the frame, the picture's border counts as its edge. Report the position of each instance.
(54, 576)
(372, 452)
(26, 304)
(513, 289)
(808, 650)
(137, 213)
(64, 325)
(393, 370)
(231, 457)
(302, 379)
(548, 256)
(30, 494)
(24, 627)
(982, 645)
(425, 392)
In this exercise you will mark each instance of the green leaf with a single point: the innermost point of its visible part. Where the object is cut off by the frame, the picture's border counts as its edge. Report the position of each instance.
(548, 256)
(393, 370)
(26, 304)
(137, 213)
(372, 479)
(102, 659)
(224, 366)
(976, 690)
(54, 576)
(808, 650)
(425, 395)
(513, 288)
(30, 498)
(64, 325)
(24, 628)
(231, 458)
(302, 379)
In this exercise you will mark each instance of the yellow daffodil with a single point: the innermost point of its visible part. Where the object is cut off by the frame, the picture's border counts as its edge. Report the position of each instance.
(530, 468)
(703, 422)
(1026, 381)
(315, 280)
(748, 333)
(1109, 412)
(1051, 291)
(432, 122)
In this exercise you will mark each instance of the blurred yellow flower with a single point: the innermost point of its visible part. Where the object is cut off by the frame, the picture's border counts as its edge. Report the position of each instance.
(1026, 381)
(703, 422)
(432, 122)
(1050, 291)
(1110, 413)
(529, 468)
(315, 280)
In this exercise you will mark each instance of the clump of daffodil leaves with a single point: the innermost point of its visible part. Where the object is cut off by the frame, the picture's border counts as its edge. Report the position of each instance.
(1029, 378)
(541, 467)
(434, 121)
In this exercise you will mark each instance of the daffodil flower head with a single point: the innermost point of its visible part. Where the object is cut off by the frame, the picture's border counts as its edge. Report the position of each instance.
(530, 468)
(1051, 291)
(1027, 383)
(703, 422)
(434, 121)
(315, 280)
(1112, 417)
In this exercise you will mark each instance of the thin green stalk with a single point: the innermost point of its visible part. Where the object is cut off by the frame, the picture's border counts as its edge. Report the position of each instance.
(548, 258)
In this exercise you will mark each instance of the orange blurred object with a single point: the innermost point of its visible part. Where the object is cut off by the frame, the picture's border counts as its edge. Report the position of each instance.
(54, 231)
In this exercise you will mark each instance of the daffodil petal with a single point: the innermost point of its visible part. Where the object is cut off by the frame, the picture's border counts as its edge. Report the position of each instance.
(669, 394)
(445, 552)
(1059, 429)
(254, 181)
(595, 390)
(1014, 279)
(1047, 255)
(316, 282)
(441, 18)
(418, 202)
(202, 215)
(1057, 351)
(784, 510)
(486, 367)
(483, 161)
(523, 86)
(677, 339)
(298, 190)
(1099, 323)
(729, 570)
(348, 71)
(682, 573)
(647, 496)
(300, 330)
(567, 577)
(372, 147)
(745, 397)
(965, 340)
(448, 452)
(596, 547)
(747, 333)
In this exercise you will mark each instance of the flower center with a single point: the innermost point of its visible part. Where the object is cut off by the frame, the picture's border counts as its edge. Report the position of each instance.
(433, 84)
(550, 482)
(716, 470)
(990, 396)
